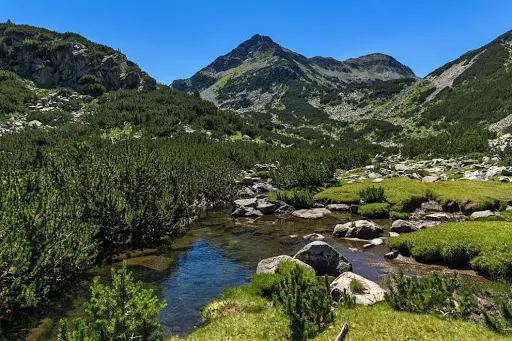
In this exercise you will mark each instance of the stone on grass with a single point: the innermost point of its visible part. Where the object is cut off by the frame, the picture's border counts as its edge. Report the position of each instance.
(432, 206)
(483, 214)
(430, 179)
(372, 294)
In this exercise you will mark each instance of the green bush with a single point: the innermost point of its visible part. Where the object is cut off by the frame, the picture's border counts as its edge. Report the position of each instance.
(305, 301)
(122, 311)
(261, 174)
(298, 198)
(370, 195)
(431, 294)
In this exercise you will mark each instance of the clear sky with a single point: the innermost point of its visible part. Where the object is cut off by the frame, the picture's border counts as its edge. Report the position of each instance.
(174, 39)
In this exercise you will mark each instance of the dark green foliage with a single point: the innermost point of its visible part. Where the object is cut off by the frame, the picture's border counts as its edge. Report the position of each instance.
(305, 301)
(42, 238)
(298, 198)
(482, 93)
(431, 294)
(14, 95)
(122, 311)
(501, 320)
(372, 194)
(455, 141)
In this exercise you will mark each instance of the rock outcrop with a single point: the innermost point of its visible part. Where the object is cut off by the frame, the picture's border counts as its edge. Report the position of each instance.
(324, 259)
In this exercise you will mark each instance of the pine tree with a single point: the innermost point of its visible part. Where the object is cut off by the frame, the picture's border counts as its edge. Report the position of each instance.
(123, 311)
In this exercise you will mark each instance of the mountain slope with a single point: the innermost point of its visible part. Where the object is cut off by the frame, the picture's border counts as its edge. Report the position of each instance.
(68, 60)
(258, 72)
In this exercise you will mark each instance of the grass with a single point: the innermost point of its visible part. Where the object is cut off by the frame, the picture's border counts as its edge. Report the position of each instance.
(381, 323)
(402, 192)
(485, 246)
(385, 324)
(357, 287)
(298, 198)
(375, 210)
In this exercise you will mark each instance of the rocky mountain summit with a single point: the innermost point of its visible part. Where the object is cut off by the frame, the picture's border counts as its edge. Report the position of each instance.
(67, 60)
(372, 97)
(255, 74)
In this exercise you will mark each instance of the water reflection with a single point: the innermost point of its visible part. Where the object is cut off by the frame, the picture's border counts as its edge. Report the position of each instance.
(201, 274)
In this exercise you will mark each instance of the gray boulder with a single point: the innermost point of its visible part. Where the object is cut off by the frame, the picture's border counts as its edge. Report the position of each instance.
(246, 193)
(269, 265)
(323, 258)
(362, 229)
(314, 236)
(253, 202)
(429, 179)
(483, 214)
(403, 226)
(265, 206)
(338, 207)
(285, 209)
(372, 294)
(313, 213)
(431, 206)
(248, 181)
(246, 212)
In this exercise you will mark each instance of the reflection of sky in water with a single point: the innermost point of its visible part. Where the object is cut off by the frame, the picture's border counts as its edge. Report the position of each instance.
(200, 275)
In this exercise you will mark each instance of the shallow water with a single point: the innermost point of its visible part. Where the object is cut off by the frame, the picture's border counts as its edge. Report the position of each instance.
(217, 253)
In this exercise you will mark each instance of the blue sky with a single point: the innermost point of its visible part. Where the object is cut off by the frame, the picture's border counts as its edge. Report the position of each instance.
(174, 39)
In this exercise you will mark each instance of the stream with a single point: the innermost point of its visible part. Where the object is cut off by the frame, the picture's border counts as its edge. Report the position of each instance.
(219, 252)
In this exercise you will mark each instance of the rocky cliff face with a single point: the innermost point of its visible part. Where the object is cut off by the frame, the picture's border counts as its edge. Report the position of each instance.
(256, 73)
(52, 60)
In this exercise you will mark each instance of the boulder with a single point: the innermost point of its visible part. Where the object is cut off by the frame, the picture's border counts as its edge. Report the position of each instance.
(506, 172)
(313, 213)
(483, 214)
(403, 226)
(246, 193)
(263, 187)
(394, 234)
(323, 258)
(362, 229)
(431, 206)
(248, 181)
(269, 265)
(266, 207)
(338, 207)
(285, 209)
(318, 205)
(441, 216)
(372, 294)
(379, 159)
(246, 212)
(314, 236)
(253, 202)
(430, 179)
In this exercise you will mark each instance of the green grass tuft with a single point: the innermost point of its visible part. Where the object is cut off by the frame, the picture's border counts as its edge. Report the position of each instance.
(375, 210)
(485, 246)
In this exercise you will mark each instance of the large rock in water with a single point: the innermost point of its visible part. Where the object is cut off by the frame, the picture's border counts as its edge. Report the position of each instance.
(362, 229)
(313, 213)
(246, 212)
(324, 259)
(269, 265)
(372, 294)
